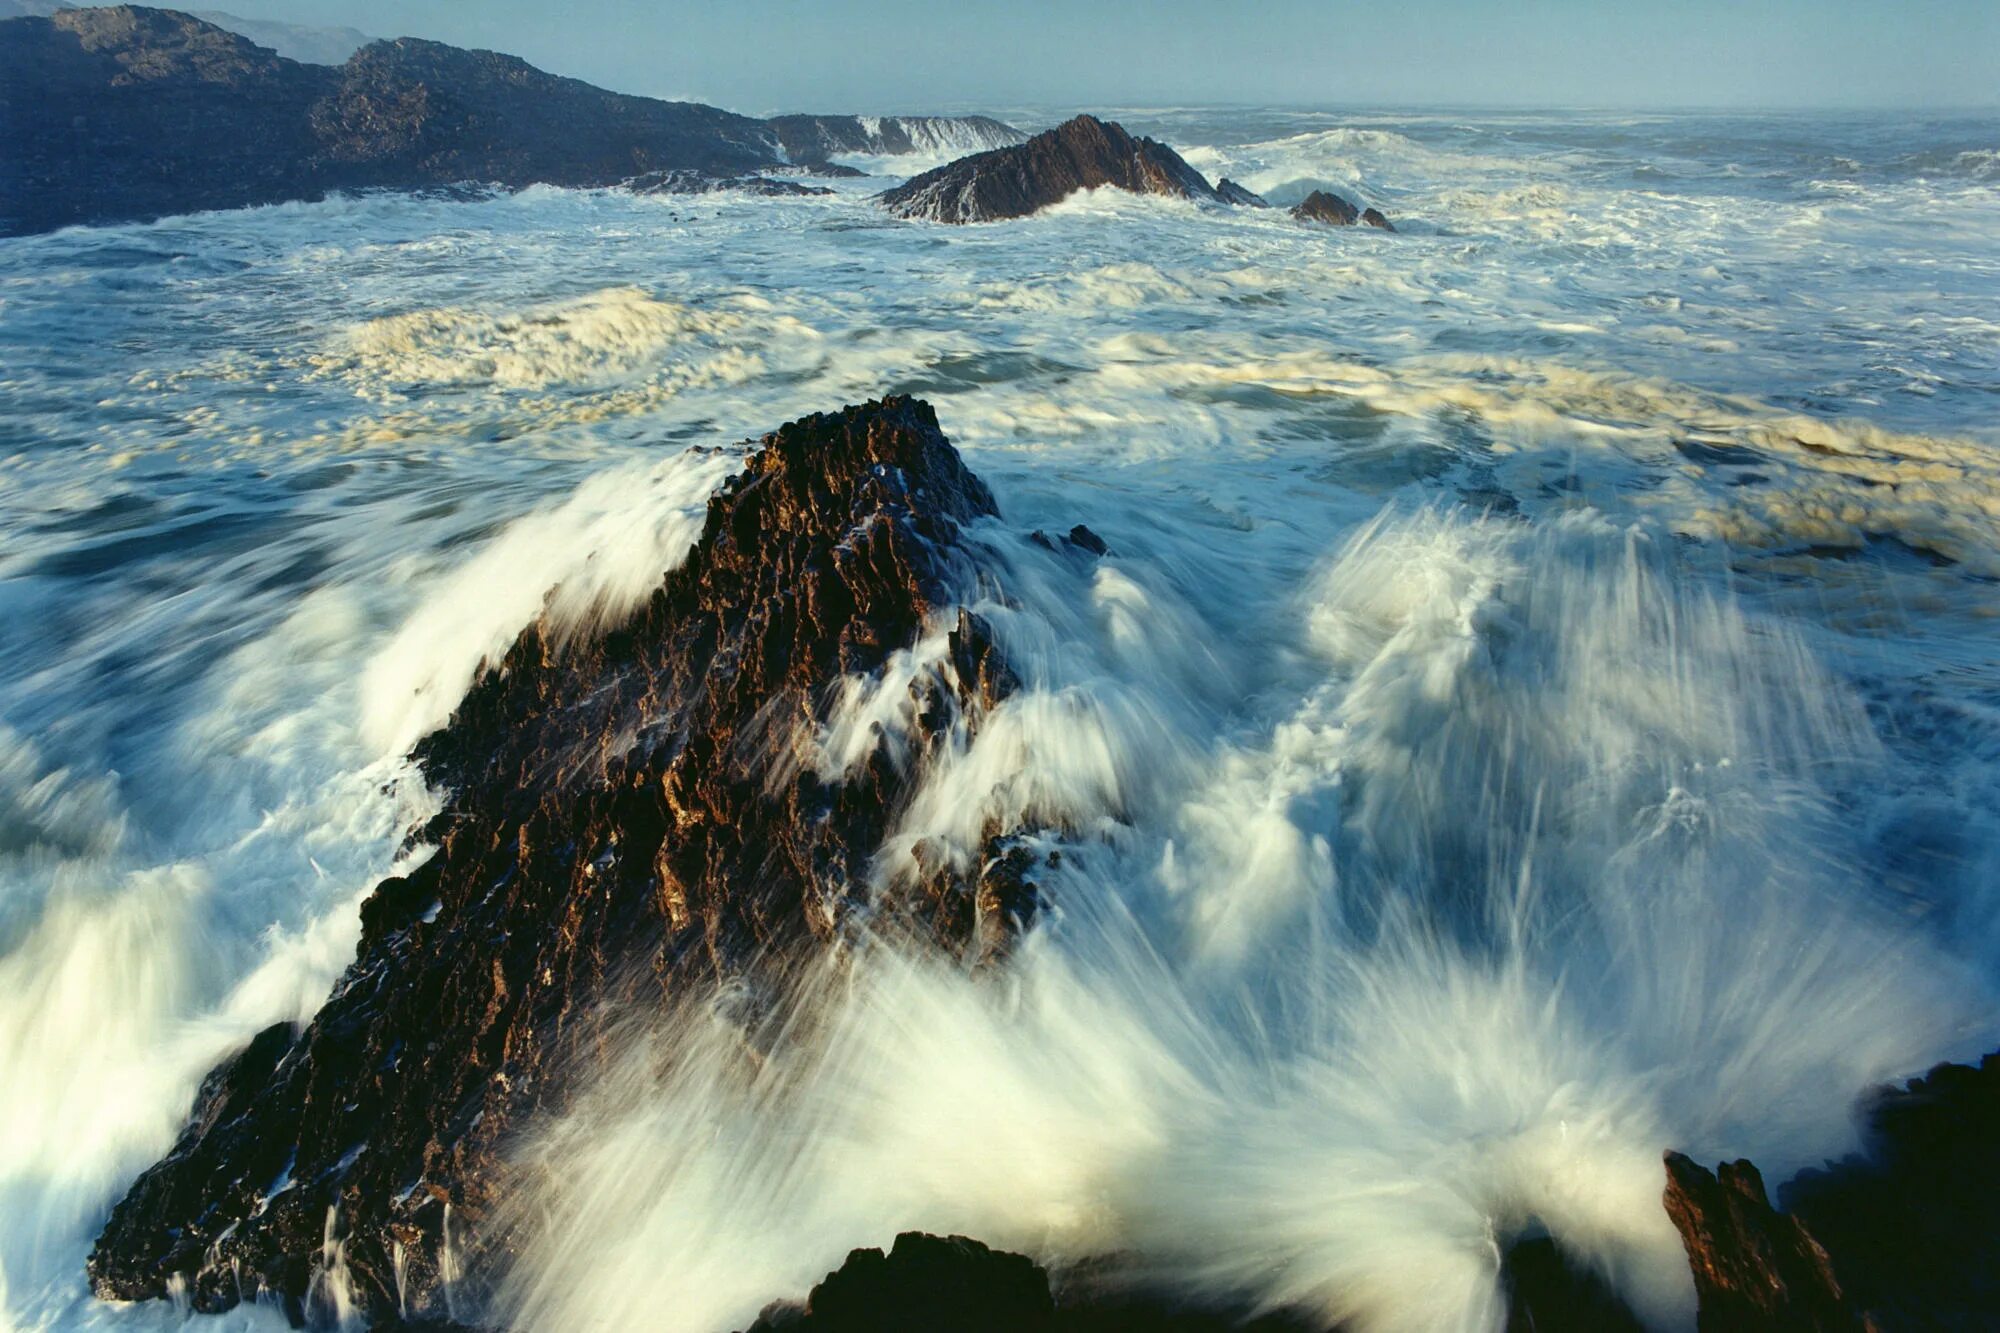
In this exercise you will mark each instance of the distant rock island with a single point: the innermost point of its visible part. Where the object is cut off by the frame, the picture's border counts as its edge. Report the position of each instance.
(1081, 154)
(126, 113)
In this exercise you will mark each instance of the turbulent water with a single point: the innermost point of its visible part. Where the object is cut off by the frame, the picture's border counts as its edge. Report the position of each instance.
(1541, 707)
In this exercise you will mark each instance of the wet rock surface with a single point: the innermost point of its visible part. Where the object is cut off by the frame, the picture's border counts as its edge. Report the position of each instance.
(627, 817)
(1754, 1267)
(1229, 192)
(1081, 154)
(1334, 211)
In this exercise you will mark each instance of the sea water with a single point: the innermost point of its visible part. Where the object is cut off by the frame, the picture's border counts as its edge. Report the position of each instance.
(1541, 705)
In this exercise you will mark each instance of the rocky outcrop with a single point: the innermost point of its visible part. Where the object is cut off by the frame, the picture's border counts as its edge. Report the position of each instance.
(1081, 154)
(1332, 210)
(1229, 192)
(629, 816)
(1913, 1221)
(1904, 1235)
(126, 113)
(816, 138)
(1754, 1267)
(926, 1284)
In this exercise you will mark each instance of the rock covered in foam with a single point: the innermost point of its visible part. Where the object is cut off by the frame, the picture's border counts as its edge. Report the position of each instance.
(1330, 209)
(1081, 154)
(629, 816)
(702, 182)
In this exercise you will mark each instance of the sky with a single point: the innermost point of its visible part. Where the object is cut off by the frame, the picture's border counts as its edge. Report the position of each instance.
(881, 56)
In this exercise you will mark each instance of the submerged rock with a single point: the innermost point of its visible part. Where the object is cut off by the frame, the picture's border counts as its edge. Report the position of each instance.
(701, 182)
(1331, 209)
(1229, 192)
(1081, 154)
(630, 814)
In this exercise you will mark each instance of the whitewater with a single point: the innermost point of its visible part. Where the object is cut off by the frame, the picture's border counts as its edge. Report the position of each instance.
(1540, 707)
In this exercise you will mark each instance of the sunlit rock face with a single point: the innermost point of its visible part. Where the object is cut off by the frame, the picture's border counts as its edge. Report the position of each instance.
(631, 814)
(1081, 154)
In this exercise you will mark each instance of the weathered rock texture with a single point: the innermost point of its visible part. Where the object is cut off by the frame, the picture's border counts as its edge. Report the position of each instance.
(1902, 1236)
(1754, 1267)
(621, 824)
(1081, 154)
(816, 138)
(1332, 210)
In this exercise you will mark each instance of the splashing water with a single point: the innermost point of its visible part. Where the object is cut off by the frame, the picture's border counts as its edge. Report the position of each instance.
(1539, 708)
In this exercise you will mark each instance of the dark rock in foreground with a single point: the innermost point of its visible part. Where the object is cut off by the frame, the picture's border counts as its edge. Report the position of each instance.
(1331, 209)
(930, 1284)
(1904, 1235)
(1229, 192)
(1754, 1267)
(622, 825)
(1913, 1222)
(816, 138)
(1082, 154)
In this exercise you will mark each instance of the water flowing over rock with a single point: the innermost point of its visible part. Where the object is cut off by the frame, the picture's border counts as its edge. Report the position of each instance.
(701, 182)
(1229, 192)
(1331, 209)
(628, 819)
(1081, 154)
(816, 138)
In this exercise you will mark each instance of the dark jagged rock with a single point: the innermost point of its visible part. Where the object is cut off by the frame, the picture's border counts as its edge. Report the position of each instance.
(628, 816)
(816, 138)
(1229, 192)
(1754, 1267)
(1081, 154)
(1332, 210)
(1913, 1222)
(928, 1284)
(701, 182)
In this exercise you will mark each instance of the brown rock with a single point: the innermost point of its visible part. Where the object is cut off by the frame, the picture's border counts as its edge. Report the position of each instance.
(1754, 1267)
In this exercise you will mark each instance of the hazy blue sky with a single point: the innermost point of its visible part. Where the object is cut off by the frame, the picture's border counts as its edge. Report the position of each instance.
(913, 55)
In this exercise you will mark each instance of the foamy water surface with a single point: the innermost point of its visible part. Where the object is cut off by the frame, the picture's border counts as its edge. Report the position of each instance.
(1541, 707)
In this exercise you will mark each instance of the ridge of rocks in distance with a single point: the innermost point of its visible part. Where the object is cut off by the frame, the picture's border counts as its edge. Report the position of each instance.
(127, 113)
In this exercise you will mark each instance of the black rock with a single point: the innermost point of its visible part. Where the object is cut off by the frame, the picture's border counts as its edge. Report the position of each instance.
(1081, 154)
(620, 828)
(1319, 206)
(1373, 217)
(1229, 192)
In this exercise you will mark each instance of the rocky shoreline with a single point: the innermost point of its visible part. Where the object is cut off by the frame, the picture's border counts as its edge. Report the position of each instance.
(624, 825)
(128, 113)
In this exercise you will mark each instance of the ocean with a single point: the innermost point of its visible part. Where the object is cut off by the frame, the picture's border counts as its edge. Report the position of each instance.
(1540, 707)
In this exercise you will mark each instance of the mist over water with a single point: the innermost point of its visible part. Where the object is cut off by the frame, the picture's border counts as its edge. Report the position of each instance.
(1541, 705)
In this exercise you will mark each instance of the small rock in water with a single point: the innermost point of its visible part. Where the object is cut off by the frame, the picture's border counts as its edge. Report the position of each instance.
(1229, 192)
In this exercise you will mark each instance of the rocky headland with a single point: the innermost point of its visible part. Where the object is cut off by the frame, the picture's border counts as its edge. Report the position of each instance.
(127, 113)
